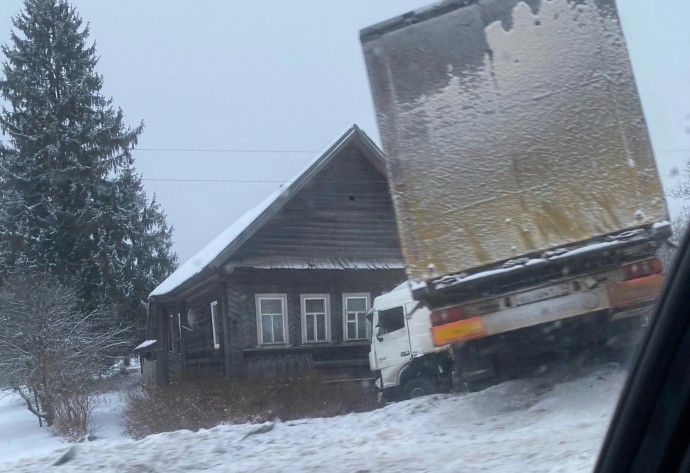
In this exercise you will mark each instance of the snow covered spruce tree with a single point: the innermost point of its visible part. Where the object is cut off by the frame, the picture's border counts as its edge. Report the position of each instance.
(72, 203)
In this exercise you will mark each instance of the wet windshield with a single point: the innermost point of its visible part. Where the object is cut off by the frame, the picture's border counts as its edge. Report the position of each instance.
(308, 236)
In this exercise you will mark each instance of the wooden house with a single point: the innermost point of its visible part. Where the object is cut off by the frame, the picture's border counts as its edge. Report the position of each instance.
(289, 283)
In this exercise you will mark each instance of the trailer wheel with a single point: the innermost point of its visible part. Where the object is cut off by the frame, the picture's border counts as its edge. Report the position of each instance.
(418, 387)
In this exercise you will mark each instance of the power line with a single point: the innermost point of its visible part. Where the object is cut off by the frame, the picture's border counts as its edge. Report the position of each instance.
(229, 150)
(298, 151)
(269, 181)
(257, 181)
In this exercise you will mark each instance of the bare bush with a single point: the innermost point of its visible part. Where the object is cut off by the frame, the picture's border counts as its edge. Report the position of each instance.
(52, 351)
(72, 410)
(204, 400)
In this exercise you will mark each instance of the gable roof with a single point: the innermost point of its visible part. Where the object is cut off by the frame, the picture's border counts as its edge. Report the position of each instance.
(214, 254)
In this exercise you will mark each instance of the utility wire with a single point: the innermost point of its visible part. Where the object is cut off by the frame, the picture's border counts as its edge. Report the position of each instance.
(262, 181)
(302, 151)
(257, 181)
(230, 150)
(276, 151)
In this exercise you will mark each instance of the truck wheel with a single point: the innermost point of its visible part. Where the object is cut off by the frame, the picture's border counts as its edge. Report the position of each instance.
(418, 387)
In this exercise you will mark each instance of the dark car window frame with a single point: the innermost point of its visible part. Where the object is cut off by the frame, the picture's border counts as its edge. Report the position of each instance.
(650, 430)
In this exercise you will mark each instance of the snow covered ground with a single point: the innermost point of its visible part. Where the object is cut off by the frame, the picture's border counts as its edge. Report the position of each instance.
(547, 424)
(20, 435)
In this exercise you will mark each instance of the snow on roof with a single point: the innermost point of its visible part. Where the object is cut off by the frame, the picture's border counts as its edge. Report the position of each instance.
(145, 344)
(213, 250)
(202, 259)
(321, 263)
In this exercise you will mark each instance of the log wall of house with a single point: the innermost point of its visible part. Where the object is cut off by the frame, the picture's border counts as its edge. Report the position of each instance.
(345, 211)
(175, 357)
(234, 328)
(196, 341)
(294, 283)
(175, 363)
(198, 337)
(158, 328)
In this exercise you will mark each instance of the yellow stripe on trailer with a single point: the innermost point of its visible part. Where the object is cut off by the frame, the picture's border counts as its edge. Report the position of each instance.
(457, 331)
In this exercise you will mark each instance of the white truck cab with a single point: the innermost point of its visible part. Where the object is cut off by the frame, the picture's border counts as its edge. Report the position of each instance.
(402, 354)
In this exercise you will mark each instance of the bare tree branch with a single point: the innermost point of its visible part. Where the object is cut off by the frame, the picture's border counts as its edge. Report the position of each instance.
(50, 345)
(28, 403)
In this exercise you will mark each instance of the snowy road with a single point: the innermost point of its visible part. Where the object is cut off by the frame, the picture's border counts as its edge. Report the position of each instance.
(535, 425)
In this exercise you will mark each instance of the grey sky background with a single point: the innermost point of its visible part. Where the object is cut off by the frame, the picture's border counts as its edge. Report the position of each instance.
(289, 76)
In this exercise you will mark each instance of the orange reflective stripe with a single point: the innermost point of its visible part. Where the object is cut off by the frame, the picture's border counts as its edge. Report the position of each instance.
(460, 330)
(635, 290)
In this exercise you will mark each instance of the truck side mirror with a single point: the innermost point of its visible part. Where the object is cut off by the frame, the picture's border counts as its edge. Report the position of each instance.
(378, 334)
(370, 315)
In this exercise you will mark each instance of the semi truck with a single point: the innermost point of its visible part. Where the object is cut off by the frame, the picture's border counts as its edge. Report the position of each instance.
(528, 202)
(403, 355)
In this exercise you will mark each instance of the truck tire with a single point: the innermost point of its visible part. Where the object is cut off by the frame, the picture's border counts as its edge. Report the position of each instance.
(418, 387)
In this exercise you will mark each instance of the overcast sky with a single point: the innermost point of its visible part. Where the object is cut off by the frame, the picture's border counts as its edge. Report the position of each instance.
(289, 76)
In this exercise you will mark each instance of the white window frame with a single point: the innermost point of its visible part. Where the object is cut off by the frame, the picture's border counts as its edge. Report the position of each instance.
(259, 328)
(172, 333)
(327, 308)
(215, 325)
(356, 295)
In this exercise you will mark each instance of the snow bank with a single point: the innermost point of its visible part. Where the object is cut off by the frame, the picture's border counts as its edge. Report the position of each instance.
(20, 435)
(19, 432)
(543, 424)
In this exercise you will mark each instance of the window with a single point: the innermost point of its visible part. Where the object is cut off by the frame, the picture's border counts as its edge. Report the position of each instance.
(355, 307)
(391, 320)
(315, 318)
(175, 333)
(215, 325)
(271, 314)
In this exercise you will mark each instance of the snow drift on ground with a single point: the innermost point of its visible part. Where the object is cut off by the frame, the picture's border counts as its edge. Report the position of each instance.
(551, 423)
(20, 435)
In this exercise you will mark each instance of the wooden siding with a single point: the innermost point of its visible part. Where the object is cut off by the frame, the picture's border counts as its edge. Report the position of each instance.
(198, 339)
(233, 331)
(174, 362)
(239, 353)
(345, 211)
(148, 372)
(276, 363)
(337, 352)
(249, 282)
(197, 349)
(349, 359)
(159, 330)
